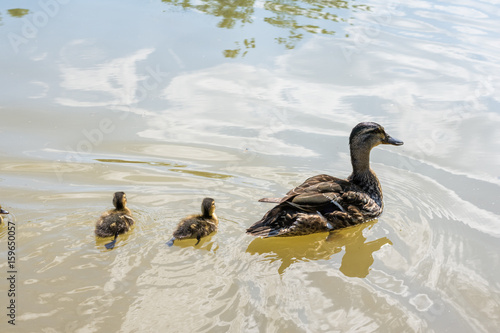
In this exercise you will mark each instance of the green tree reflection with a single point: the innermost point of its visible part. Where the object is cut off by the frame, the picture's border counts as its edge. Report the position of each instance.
(296, 17)
(230, 11)
(18, 12)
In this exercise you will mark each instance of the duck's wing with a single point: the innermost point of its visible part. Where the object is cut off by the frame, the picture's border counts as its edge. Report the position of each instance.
(311, 182)
(128, 220)
(314, 192)
(307, 185)
(289, 219)
(313, 196)
(119, 223)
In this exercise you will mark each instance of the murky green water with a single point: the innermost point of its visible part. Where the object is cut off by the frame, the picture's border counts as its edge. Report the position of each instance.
(174, 101)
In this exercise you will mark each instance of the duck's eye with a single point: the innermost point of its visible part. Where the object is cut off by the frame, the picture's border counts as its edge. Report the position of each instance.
(376, 131)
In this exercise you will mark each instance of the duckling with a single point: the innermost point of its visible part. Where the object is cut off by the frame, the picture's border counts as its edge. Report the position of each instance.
(197, 225)
(2, 211)
(115, 221)
(324, 203)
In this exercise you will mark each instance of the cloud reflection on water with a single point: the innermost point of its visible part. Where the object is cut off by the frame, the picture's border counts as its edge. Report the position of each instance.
(417, 83)
(113, 84)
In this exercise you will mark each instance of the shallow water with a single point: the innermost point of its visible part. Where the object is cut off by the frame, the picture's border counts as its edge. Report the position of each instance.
(174, 101)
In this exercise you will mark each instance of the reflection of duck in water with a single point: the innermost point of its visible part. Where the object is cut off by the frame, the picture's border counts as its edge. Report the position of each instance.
(323, 203)
(197, 225)
(356, 261)
(116, 221)
(358, 256)
(4, 212)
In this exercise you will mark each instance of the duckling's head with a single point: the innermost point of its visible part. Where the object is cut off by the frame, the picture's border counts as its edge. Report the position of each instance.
(119, 200)
(208, 207)
(368, 135)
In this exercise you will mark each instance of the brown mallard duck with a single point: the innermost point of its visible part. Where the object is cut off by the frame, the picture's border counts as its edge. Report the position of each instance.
(115, 221)
(197, 225)
(324, 203)
(2, 211)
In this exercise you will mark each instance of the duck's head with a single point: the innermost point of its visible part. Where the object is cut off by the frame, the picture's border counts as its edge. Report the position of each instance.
(208, 207)
(120, 200)
(368, 135)
(364, 137)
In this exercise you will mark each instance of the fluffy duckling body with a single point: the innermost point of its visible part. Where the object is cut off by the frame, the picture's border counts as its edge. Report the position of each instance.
(115, 221)
(197, 225)
(324, 203)
(4, 212)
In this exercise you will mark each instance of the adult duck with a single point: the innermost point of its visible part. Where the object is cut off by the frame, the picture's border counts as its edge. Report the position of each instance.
(324, 203)
(115, 221)
(197, 225)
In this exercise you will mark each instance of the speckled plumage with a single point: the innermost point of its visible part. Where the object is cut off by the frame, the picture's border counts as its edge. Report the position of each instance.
(324, 203)
(197, 225)
(116, 221)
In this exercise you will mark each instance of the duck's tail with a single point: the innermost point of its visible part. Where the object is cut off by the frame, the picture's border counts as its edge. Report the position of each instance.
(171, 241)
(269, 225)
(262, 231)
(270, 200)
(111, 244)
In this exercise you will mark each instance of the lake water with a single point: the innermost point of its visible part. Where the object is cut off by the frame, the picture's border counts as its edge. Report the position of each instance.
(173, 101)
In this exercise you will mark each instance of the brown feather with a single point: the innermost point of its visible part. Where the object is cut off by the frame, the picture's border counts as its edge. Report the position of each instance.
(118, 220)
(198, 225)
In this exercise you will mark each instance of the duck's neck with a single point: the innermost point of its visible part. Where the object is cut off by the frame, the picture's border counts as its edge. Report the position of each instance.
(123, 209)
(360, 159)
(363, 176)
(208, 216)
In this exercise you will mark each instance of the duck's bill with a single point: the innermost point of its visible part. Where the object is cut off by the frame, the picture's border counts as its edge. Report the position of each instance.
(3, 211)
(392, 141)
